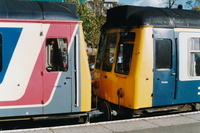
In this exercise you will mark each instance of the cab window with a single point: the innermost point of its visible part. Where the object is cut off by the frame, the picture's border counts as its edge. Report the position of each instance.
(124, 57)
(124, 54)
(109, 53)
(100, 52)
(56, 54)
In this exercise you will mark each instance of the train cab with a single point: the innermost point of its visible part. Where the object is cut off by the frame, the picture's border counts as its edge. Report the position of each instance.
(148, 58)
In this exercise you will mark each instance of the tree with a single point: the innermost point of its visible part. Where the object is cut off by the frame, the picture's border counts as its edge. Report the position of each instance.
(189, 4)
(169, 3)
(89, 21)
(97, 6)
(196, 2)
(195, 5)
(175, 3)
(93, 15)
(197, 8)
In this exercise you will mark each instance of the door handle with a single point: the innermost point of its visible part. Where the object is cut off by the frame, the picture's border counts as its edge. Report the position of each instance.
(173, 74)
(69, 77)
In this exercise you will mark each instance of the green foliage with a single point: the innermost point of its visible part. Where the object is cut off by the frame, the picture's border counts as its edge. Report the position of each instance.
(197, 8)
(194, 4)
(91, 21)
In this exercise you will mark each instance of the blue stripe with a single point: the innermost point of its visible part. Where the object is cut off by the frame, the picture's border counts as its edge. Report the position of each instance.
(10, 37)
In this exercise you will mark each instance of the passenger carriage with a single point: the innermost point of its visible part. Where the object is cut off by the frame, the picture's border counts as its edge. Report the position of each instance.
(43, 61)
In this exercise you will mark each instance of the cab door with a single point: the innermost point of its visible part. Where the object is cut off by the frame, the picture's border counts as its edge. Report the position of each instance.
(164, 67)
(106, 74)
(58, 68)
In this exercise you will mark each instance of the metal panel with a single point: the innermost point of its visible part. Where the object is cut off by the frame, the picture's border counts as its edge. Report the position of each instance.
(187, 86)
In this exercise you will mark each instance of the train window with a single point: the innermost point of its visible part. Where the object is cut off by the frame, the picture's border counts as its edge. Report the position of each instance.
(194, 50)
(100, 52)
(56, 54)
(124, 58)
(1, 52)
(109, 52)
(163, 54)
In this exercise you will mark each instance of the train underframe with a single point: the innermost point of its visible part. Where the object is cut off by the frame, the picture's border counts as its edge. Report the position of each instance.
(112, 111)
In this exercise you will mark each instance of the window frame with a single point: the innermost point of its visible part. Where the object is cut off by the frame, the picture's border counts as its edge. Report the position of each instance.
(107, 66)
(157, 62)
(191, 60)
(99, 57)
(126, 40)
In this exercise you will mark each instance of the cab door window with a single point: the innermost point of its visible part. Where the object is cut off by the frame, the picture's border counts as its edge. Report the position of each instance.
(56, 54)
(163, 54)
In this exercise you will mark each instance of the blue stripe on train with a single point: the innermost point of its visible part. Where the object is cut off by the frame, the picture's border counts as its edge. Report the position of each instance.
(10, 37)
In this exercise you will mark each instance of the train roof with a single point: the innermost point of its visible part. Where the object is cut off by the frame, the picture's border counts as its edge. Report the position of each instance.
(41, 10)
(157, 17)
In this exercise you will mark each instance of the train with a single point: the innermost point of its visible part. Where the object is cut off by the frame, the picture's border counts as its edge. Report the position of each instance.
(44, 73)
(148, 61)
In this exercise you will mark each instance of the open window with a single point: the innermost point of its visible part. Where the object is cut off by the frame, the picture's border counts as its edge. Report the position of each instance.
(124, 54)
(124, 58)
(56, 54)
